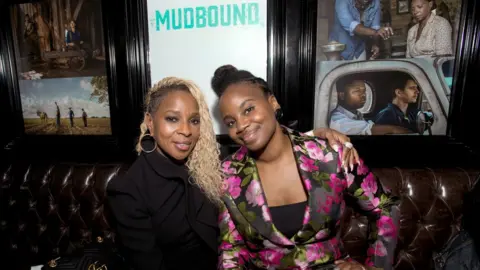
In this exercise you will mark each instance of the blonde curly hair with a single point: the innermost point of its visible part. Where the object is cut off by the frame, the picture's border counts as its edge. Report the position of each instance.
(204, 161)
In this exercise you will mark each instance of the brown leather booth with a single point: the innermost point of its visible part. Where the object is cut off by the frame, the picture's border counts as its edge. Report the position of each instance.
(50, 208)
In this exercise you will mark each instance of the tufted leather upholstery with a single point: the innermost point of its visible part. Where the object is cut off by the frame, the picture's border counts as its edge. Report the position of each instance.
(48, 209)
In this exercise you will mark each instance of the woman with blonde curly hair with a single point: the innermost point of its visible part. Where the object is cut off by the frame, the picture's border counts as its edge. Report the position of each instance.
(166, 205)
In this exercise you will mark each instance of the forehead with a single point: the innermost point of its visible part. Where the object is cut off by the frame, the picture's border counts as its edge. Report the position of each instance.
(410, 83)
(356, 84)
(239, 92)
(178, 99)
(419, 2)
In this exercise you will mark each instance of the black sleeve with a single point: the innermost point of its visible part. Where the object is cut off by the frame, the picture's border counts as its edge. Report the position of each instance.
(134, 225)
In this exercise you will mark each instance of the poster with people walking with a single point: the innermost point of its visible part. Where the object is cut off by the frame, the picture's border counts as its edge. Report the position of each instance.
(72, 106)
(60, 62)
(385, 66)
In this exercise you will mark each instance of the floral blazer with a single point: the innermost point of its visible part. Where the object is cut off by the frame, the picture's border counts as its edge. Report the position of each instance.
(250, 240)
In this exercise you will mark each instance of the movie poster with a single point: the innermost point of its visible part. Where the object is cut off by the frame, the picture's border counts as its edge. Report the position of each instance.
(385, 66)
(60, 60)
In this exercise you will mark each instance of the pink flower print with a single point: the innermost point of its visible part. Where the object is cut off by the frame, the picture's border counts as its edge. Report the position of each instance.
(307, 164)
(308, 184)
(271, 257)
(370, 203)
(280, 239)
(254, 194)
(234, 186)
(369, 185)
(323, 143)
(297, 148)
(241, 153)
(327, 205)
(362, 169)
(243, 256)
(316, 153)
(306, 217)
(314, 252)
(368, 262)
(350, 179)
(378, 249)
(301, 265)
(322, 234)
(336, 184)
(386, 227)
(223, 216)
(266, 213)
(235, 234)
(226, 167)
(225, 245)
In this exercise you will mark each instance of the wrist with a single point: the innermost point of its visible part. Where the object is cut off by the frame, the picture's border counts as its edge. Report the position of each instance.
(320, 132)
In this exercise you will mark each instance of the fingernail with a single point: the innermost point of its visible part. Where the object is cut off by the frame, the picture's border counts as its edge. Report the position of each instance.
(346, 168)
(351, 167)
(335, 147)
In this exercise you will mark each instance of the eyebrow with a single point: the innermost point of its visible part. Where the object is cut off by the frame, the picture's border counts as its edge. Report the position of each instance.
(241, 105)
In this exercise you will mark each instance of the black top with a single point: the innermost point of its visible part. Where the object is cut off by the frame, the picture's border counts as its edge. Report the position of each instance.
(163, 221)
(392, 115)
(288, 219)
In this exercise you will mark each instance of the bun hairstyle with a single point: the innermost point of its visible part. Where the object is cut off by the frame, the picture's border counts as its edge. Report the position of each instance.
(227, 75)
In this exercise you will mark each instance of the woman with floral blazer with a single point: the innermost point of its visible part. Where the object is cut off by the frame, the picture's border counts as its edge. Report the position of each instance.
(250, 237)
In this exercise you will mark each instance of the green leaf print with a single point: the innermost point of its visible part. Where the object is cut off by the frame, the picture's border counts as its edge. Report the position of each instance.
(324, 259)
(246, 180)
(358, 192)
(251, 216)
(242, 206)
(248, 170)
(321, 177)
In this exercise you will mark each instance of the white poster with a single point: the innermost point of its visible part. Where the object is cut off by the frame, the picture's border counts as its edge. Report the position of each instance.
(192, 38)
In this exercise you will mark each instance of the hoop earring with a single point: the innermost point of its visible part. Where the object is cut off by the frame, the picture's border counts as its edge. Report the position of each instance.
(278, 113)
(154, 143)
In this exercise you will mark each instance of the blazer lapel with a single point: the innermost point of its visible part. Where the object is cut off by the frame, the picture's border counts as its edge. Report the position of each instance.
(317, 164)
(250, 199)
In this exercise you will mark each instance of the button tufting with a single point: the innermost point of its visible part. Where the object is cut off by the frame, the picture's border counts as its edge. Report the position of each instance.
(425, 194)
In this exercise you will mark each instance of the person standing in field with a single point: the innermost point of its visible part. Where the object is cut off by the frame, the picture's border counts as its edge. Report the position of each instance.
(84, 118)
(72, 115)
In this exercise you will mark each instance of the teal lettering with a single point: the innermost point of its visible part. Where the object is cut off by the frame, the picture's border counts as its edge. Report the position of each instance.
(165, 19)
(253, 13)
(213, 16)
(177, 24)
(237, 16)
(200, 20)
(225, 17)
(188, 22)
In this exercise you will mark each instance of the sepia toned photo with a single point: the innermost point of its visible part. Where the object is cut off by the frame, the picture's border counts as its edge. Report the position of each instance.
(385, 67)
(58, 39)
(66, 106)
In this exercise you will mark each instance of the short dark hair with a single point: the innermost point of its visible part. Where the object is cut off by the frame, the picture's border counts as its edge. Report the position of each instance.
(227, 75)
(347, 80)
(399, 81)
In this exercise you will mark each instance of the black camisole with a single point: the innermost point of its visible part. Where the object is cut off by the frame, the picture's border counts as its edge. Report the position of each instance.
(288, 219)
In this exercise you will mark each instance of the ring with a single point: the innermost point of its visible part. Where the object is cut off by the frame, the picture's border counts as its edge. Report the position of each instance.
(348, 145)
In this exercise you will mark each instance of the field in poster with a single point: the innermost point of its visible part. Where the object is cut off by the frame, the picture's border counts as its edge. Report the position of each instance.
(58, 39)
(66, 106)
(385, 66)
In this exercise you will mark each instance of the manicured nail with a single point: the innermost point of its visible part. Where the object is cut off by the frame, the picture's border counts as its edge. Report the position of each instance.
(351, 167)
